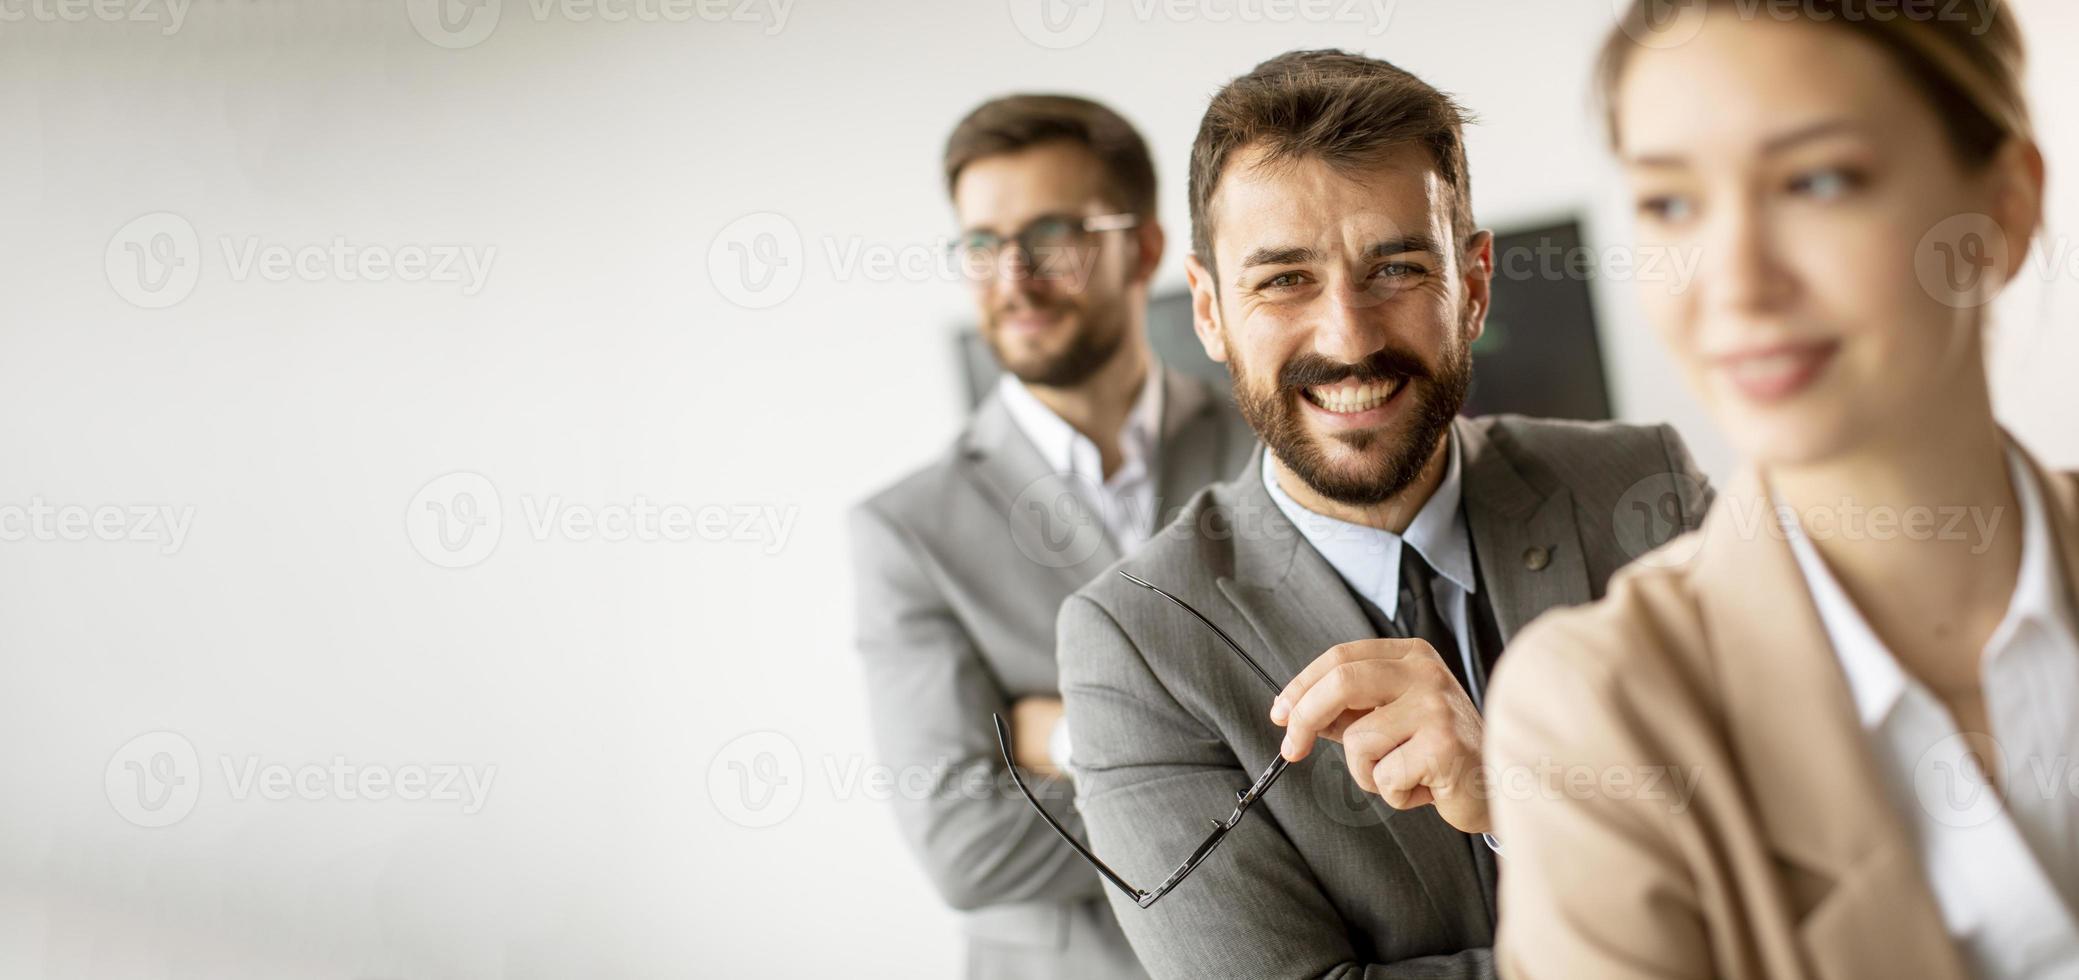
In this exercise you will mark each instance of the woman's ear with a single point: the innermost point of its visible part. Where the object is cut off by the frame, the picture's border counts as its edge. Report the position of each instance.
(1205, 308)
(2018, 204)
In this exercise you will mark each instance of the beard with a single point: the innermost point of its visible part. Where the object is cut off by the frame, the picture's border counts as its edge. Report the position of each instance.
(1389, 460)
(1099, 330)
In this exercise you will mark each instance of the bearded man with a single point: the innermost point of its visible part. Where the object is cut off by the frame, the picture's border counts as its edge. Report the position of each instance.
(1337, 271)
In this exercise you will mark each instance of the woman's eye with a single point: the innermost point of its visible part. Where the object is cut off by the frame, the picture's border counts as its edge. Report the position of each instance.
(1825, 185)
(1667, 208)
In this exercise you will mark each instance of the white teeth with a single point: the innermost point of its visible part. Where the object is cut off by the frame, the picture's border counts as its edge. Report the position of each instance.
(1348, 398)
(1769, 365)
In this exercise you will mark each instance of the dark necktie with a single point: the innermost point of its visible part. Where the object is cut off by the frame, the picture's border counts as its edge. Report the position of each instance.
(1419, 615)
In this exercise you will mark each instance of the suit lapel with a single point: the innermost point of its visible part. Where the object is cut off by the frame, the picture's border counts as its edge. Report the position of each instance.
(1527, 542)
(1299, 607)
(1045, 516)
(1189, 454)
(1803, 755)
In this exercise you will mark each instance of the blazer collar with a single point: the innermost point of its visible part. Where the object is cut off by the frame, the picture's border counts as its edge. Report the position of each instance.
(1793, 718)
(1047, 520)
(1803, 757)
(1525, 539)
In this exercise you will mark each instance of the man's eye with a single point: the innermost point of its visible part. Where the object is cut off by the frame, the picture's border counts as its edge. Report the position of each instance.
(1400, 270)
(1283, 280)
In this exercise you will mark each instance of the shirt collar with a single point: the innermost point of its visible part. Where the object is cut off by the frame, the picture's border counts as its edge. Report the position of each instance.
(1070, 453)
(1875, 678)
(1368, 559)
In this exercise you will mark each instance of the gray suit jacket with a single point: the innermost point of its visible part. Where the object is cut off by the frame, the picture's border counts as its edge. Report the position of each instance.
(1321, 879)
(960, 570)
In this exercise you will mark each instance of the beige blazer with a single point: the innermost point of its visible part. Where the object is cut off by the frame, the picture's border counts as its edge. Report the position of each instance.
(1707, 662)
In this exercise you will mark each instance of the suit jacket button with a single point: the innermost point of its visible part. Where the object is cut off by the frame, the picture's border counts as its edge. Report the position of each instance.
(1536, 559)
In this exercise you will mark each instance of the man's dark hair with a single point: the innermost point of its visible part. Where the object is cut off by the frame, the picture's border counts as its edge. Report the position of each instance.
(1342, 108)
(1014, 122)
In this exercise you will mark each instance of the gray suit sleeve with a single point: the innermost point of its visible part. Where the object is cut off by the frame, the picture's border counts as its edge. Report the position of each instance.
(930, 696)
(1150, 778)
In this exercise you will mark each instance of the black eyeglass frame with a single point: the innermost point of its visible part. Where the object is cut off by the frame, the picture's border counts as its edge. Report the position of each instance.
(1243, 800)
(958, 250)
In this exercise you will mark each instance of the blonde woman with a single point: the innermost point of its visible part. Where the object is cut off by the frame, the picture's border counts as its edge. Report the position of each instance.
(1831, 734)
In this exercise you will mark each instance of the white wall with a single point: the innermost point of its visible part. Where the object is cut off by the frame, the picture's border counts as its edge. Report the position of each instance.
(296, 423)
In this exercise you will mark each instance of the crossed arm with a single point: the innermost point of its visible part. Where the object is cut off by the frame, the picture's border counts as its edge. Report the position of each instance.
(931, 695)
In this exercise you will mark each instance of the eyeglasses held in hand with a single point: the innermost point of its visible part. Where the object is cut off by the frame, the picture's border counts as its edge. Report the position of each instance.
(1243, 799)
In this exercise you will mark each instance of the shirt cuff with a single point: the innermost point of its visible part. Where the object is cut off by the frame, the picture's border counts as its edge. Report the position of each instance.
(1057, 744)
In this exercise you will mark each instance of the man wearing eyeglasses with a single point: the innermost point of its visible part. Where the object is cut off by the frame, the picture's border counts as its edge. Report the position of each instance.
(1082, 449)
(1337, 271)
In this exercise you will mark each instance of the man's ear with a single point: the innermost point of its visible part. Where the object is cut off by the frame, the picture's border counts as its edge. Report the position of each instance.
(1149, 241)
(1205, 308)
(1477, 271)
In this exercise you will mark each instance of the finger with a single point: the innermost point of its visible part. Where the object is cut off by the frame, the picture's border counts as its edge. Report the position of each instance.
(1357, 686)
(1336, 656)
(1333, 731)
(1362, 750)
(1403, 775)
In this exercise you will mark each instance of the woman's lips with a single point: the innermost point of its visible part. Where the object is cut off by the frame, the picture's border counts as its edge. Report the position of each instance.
(1777, 371)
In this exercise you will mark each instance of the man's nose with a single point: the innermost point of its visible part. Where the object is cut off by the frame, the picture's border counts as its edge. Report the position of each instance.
(1350, 327)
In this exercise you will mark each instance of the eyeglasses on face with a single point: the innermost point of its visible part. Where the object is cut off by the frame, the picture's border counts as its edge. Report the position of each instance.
(1243, 800)
(1049, 244)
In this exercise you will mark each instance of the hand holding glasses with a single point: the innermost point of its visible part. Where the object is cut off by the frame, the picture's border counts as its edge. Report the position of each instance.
(1243, 800)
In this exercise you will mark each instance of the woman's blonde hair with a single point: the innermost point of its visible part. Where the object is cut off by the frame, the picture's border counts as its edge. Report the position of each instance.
(1966, 61)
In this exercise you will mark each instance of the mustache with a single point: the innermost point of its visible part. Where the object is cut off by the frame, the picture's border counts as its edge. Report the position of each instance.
(1307, 370)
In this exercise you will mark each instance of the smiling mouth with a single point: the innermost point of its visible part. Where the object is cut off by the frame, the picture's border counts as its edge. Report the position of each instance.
(1352, 397)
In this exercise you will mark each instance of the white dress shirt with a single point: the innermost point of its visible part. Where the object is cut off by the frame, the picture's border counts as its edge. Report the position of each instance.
(1368, 559)
(2005, 873)
(1125, 501)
